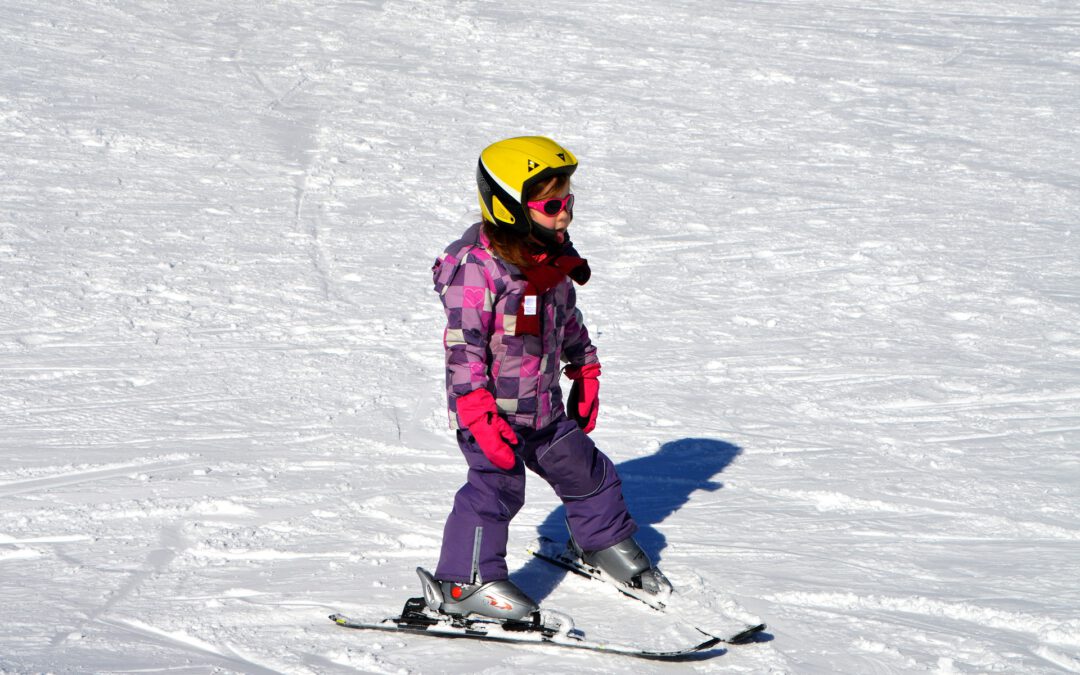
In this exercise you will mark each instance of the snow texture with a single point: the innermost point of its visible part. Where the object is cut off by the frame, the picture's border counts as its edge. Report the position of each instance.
(836, 293)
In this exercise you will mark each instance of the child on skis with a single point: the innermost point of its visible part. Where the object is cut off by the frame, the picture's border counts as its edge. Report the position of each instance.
(507, 286)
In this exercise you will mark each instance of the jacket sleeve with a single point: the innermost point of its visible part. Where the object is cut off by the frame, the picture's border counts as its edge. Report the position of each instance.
(578, 349)
(467, 292)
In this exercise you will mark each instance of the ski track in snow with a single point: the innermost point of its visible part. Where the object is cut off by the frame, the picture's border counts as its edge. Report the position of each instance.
(836, 298)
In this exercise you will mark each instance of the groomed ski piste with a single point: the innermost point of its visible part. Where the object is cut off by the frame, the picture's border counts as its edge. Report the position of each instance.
(836, 294)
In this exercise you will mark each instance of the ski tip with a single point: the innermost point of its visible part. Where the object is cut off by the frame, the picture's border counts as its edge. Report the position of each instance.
(703, 650)
(747, 636)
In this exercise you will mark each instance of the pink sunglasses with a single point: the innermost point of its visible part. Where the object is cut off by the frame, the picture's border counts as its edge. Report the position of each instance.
(553, 207)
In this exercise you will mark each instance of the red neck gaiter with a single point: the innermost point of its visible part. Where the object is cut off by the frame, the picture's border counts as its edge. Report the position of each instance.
(539, 279)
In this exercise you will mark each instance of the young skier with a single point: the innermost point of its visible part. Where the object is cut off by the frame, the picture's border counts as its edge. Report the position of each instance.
(507, 286)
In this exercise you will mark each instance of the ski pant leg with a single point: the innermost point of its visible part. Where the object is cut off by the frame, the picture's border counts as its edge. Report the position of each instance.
(586, 481)
(483, 509)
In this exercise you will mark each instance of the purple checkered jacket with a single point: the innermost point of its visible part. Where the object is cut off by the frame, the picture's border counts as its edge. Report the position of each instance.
(482, 295)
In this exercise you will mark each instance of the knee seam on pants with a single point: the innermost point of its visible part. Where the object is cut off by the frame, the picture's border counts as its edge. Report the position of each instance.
(558, 440)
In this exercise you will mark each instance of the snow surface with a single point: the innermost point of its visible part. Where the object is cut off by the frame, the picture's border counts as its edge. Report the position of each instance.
(836, 294)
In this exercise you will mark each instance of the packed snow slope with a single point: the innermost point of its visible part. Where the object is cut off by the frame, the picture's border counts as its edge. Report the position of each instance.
(836, 294)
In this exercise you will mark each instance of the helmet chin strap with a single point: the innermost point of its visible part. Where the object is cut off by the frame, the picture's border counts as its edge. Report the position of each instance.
(548, 239)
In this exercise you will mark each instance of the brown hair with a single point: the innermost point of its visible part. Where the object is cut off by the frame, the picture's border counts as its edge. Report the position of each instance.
(511, 246)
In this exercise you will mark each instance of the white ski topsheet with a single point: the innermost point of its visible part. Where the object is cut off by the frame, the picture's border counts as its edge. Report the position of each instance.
(835, 293)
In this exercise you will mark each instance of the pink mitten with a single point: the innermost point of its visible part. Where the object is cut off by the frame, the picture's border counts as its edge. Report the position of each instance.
(583, 404)
(478, 411)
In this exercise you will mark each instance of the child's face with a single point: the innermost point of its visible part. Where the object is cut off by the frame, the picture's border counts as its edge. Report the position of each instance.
(558, 222)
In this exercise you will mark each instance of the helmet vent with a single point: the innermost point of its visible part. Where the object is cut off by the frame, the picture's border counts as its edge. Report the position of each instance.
(501, 212)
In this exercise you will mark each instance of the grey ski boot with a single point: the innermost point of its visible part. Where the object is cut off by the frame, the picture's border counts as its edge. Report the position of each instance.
(500, 600)
(627, 563)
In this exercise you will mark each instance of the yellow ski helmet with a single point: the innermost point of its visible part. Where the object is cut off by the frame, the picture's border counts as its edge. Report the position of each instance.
(508, 169)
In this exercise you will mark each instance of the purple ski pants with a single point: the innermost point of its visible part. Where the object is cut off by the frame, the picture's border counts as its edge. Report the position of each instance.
(560, 453)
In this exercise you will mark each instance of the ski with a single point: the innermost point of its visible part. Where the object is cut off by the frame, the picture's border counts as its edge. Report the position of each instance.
(560, 555)
(416, 619)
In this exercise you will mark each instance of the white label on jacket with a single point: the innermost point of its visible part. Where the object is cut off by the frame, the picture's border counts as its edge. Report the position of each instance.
(530, 305)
